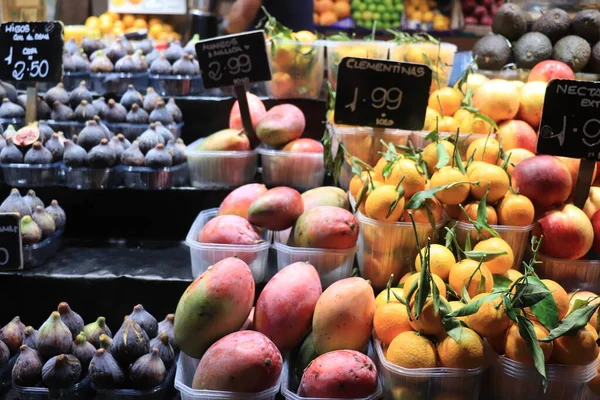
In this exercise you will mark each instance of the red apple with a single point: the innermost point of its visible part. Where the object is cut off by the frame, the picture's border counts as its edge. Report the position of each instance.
(304, 145)
(544, 179)
(550, 69)
(568, 233)
(596, 226)
(257, 111)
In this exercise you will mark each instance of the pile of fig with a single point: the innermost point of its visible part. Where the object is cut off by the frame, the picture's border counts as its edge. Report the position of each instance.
(64, 350)
(37, 221)
(155, 148)
(135, 108)
(175, 60)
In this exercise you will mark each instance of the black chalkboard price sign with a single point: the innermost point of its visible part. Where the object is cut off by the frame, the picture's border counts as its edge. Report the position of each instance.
(11, 248)
(31, 51)
(382, 93)
(233, 60)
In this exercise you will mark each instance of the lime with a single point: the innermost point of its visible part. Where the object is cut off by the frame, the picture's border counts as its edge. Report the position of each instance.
(356, 15)
(376, 16)
(367, 15)
(386, 16)
(372, 7)
(361, 7)
(381, 8)
(399, 7)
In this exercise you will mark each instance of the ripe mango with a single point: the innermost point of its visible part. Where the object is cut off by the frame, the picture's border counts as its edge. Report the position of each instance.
(225, 140)
(280, 125)
(277, 209)
(238, 201)
(285, 308)
(229, 229)
(343, 316)
(325, 196)
(215, 304)
(326, 227)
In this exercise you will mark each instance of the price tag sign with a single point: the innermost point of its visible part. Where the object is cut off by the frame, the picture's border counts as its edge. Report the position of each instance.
(233, 60)
(381, 93)
(11, 248)
(570, 124)
(31, 51)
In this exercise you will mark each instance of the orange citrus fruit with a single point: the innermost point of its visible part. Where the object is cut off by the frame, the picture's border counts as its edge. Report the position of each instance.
(579, 349)
(467, 353)
(466, 271)
(448, 175)
(447, 124)
(379, 204)
(431, 118)
(414, 180)
(445, 101)
(471, 210)
(515, 210)
(428, 321)
(516, 349)
(490, 320)
(560, 297)
(430, 155)
(498, 264)
(439, 282)
(486, 149)
(441, 261)
(420, 214)
(390, 320)
(490, 177)
(586, 296)
(497, 99)
(412, 350)
(382, 297)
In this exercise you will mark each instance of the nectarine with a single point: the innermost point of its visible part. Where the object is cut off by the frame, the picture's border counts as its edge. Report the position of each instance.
(544, 179)
(532, 102)
(517, 134)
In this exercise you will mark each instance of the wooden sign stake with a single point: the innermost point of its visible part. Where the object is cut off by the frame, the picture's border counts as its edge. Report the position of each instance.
(31, 105)
(584, 182)
(240, 92)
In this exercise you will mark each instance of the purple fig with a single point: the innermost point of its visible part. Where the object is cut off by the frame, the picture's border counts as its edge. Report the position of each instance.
(83, 350)
(61, 372)
(165, 350)
(145, 320)
(95, 329)
(54, 337)
(130, 342)
(148, 371)
(71, 319)
(105, 371)
(167, 326)
(27, 370)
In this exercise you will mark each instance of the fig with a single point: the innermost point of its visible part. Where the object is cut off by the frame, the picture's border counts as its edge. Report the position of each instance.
(8, 109)
(32, 200)
(186, 66)
(176, 153)
(84, 111)
(61, 112)
(153, 55)
(128, 46)
(161, 66)
(27, 370)
(131, 97)
(57, 214)
(161, 114)
(61, 372)
(117, 147)
(27, 135)
(158, 157)
(101, 156)
(165, 350)
(149, 139)
(38, 154)
(74, 156)
(11, 154)
(22, 100)
(179, 144)
(104, 371)
(71, 46)
(57, 93)
(46, 131)
(43, 221)
(90, 45)
(30, 336)
(145, 320)
(148, 371)
(151, 99)
(167, 326)
(116, 50)
(11, 334)
(124, 142)
(190, 47)
(133, 157)
(91, 135)
(83, 350)
(164, 132)
(30, 231)
(4, 355)
(2, 142)
(101, 107)
(101, 63)
(174, 52)
(104, 128)
(42, 110)
(95, 329)
(9, 91)
(174, 110)
(105, 342)
(54, 337)
(139, 59)
(10, 132)
(137, 115)
(55, 147)
(70, 318)
(116, 112)
(130, 342)
(144, 45)
(79, 94)
(81, 62)
(126, 64)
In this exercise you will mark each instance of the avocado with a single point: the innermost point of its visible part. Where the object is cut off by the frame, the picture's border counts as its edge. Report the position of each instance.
(510, 21)
(532, 48)
(594, 63)
(492, 52)
(586, 24)
(573, 51)
(554, 24)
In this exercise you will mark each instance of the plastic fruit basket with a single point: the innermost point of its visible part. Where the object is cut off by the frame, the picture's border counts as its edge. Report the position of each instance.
(364, 143)
(517, 238)
(32, 175)
(425, 383)
(17, 123)
(132, 131)
(220, 169)
(68, 128)
(331, 264)
(117, 82)
(510, 379)
(387, 248)
(337, 50)
(177, 85)
(302, 171)
(422, 52)
(38, 253)
(186, 368)
(92, 178)
(146, 178)
(571, 274)
(206, 254)
(464, 140)
(81, 390)
(297, 69)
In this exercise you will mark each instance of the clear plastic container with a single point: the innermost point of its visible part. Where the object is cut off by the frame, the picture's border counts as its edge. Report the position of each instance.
(117, 82)
(464, 140)
(206, 254)
(155, 178)
(302, 171)
(570, 274)
(186, 368)
(297, 69)
(81, 390)
(17, 123)
(69, 128)
(32, 175)
(425, 383)
(92, 178)
(517, 238)
(331, 264)
(387, 248)
(220, 169)
(159, 392)
(337, 50)
(177, 85)
(510, 379)
(364, 143)
(70, 80)
(589, 395)
(38, 253)
(132, 131)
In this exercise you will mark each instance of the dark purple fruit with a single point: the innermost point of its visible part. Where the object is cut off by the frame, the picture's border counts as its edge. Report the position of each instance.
(133, 157)
(116, 50)
(161, 114)
(11, 153)
(90, 45)
(153, 55)
(116, 112)
(71, 319)
(79, 94)
(91, 135)
(8, 109)
(38, 154)
(158, 157)
(9, 91)
(137, 115)
(178, 156)
(126, 64)
(55, 147)
(61, 112)
(14, 203)
(54, 337)
(95, 329)
(131, 97)
(57, 93)
(167, 326)
(42, 110)
(124, 142)
(30, 231)
(144, 45)
(81, 62)
(68, 64)
(185, 66)
(4, 355)
(61, 372)
(117, 147)
(46, 131)
(165, 350)
(145, 320)
(130, 342)
(151, 99)
(149, 139)
(148, 371)
(27, 370)
(57, 214)
(161, 66)
(139, 59)
(84, 111)
(30, 336)
(74, 156)
(164, 132)
(174, 110)
(71, 46)
(104, 371)
(174, 52)
(44, 221)
(83, 350)
(104, 128)
(101, 156)
(12, 333)
(101, 107)
(101, 63)
(32, 200)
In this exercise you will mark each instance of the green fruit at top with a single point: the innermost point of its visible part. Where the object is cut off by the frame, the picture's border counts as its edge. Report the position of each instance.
(510, 21)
